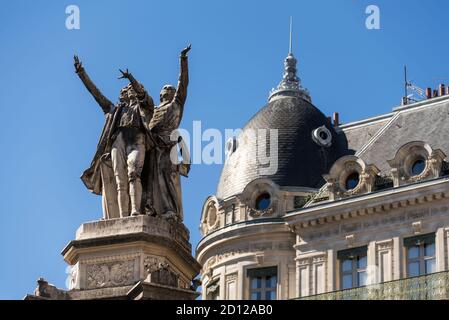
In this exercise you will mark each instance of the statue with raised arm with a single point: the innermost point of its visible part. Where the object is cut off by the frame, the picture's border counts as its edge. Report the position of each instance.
(136, 167)
(164, 185)
(116, 170)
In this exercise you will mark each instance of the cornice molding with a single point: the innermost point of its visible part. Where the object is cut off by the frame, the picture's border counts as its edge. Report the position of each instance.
(378, 202)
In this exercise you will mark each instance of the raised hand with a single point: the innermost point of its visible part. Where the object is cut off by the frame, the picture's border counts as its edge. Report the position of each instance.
(187, 49)
(78, 64)
(125, 74)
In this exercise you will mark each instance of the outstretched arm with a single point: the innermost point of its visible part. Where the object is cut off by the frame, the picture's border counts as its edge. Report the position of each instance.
(104, 102)
(145, 100)
(183, 81)
(138, 88)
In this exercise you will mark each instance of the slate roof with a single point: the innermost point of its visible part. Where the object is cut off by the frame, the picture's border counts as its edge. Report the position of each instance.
(301, 161)
(359, 133)
(427, 121)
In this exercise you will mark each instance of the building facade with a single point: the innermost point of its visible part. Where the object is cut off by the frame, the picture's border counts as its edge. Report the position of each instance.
(354, 211)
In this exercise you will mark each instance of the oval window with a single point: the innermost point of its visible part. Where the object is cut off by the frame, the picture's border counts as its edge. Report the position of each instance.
(323, 135)
(263, 201)
(352, 181)
(418, 167)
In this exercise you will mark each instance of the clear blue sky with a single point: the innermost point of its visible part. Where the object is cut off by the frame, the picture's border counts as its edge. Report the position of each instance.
(50, 124)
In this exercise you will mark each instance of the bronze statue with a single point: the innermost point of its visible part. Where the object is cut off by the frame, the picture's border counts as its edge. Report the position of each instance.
(132, 168)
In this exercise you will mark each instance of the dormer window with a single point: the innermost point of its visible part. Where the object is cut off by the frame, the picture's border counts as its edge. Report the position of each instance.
(352, 181)
(349, 176)
(263, 201)
(416, 161)
(418, 166)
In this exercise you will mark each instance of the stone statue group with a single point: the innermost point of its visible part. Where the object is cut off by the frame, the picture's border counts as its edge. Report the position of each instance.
(136, 167)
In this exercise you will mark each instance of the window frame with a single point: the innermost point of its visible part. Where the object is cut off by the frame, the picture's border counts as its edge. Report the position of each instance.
(420, 243)
(354, 255)
(264, 274)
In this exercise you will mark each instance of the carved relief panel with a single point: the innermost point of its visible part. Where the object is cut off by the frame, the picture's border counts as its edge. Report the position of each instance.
(108, 274)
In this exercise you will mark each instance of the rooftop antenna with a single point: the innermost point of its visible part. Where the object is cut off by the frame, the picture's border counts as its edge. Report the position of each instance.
(290, 43)
(405, 82)
(415, 89)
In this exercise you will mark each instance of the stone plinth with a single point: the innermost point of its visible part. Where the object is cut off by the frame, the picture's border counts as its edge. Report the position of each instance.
(139, 257)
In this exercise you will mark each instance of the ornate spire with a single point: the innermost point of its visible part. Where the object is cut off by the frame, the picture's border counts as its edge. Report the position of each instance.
(290, 84)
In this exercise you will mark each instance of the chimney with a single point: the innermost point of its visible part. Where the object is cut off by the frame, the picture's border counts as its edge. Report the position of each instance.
(442, 90)
(336, 117)
(329, 119)
(435, 93)
(428, 93)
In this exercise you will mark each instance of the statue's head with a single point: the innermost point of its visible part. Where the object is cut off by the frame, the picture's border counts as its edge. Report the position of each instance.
(123, 97)
(128, 94)
(167, 93)
(132, 95)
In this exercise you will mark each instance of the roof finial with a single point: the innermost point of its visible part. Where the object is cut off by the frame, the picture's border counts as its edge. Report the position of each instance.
(291, 24)
(290, 84)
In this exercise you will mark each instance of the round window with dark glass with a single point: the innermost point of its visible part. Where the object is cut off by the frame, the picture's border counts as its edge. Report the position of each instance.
(263, 201)
(352, 181)
(323, 135)
(418, 166)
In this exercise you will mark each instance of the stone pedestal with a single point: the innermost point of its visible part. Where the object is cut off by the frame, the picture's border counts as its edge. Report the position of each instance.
(130, 258)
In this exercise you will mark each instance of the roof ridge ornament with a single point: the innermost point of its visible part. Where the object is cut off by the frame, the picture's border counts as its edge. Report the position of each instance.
(290, 85)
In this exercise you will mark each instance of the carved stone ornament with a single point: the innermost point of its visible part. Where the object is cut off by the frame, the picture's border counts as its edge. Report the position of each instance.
(152, 264)
(210, 219)
(342, 169)
(160, 272)
(365, 184)
(401, 165)
(262, 213)
(110, 274)
(253, 191)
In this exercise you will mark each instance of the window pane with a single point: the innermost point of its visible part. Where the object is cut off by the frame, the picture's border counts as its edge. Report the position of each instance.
(413, 269)
(256, 283)
(429, 250)
(430, 266)
(361, 279)
(347, 265)
(253, 283)
(271, 282)
(361, 263)
(268, 282)
(418, 167)
(352, 181)
(256, 296)
(270, 295)
(347, 281)
(413, 252)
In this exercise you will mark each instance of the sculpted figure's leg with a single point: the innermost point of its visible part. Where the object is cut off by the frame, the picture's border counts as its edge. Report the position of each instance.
(136, 157)
(118, 155)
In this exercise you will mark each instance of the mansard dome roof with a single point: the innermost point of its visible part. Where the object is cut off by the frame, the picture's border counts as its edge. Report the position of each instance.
(302, 160)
